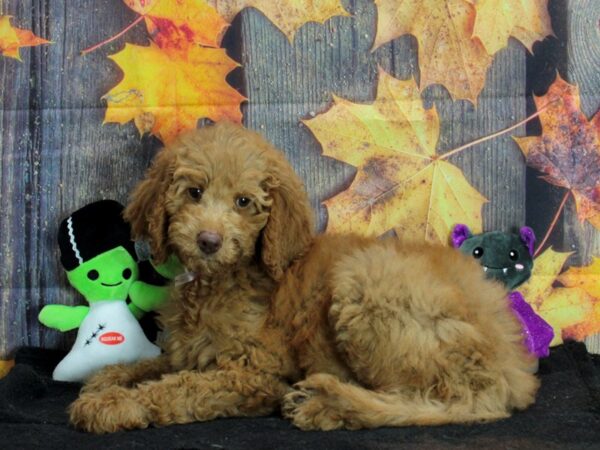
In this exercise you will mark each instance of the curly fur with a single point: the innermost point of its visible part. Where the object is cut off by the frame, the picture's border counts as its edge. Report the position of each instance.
(373, 332)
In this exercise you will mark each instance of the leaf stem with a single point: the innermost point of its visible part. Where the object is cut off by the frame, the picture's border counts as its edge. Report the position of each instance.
(551, 228)
(496, 134)
(116, 36)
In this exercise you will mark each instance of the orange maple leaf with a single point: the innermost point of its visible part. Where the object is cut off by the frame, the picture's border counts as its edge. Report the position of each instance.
(180, 23)
(12, 39)
(497, 20)
(170, 90)
(572, 311)
(448, 52)
(401, 183)
(288, 15)
(568, 151)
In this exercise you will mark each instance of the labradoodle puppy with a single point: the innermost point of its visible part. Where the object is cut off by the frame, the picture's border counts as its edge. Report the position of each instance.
(336, 331)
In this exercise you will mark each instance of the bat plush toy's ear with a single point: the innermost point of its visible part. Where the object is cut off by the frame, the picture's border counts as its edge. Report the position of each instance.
(460, 233)
(528, 238)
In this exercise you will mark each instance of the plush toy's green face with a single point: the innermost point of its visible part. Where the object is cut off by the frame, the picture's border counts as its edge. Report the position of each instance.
(107, 276)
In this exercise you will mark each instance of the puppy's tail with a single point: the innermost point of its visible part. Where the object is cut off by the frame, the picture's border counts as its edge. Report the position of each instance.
(324, 402)
(396, 409)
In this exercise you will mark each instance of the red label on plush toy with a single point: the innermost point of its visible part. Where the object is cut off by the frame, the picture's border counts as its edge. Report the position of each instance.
(112, 338)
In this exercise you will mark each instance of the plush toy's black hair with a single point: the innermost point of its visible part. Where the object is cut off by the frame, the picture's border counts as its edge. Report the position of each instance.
(94, 229)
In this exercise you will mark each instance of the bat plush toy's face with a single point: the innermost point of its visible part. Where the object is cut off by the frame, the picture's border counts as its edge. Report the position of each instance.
(505, 257)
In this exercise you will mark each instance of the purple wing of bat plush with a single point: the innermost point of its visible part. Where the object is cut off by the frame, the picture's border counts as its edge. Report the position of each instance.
(537, 333)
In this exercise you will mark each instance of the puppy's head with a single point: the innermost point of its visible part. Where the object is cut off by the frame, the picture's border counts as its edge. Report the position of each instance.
(221, 197)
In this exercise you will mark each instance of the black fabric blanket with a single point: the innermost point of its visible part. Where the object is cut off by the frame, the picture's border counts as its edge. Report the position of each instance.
(566, 415)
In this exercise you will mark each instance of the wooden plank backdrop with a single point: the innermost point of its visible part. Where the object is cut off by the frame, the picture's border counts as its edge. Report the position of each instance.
(583, 68)
(575, 54)
(57, 155)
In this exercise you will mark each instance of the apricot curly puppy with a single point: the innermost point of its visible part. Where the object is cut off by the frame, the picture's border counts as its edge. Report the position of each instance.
(373, 332)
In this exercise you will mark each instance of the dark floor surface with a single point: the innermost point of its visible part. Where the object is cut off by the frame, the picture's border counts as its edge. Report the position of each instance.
(565, 415)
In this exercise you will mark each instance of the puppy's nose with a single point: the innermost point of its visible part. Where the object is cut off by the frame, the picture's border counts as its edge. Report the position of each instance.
(209, 242)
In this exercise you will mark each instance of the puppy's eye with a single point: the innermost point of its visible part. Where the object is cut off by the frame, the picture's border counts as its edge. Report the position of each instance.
(195, 193)
(242, 201)
(478, 252)
(514, 255)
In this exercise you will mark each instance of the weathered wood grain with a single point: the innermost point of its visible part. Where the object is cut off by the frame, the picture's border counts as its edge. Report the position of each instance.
(495, 168)
(56, 154)
(289, 82)
(574, 53)
(15, 195)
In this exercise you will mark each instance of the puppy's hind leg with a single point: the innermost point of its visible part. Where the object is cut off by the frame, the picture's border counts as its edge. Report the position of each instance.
(425, 349)
(378, 324)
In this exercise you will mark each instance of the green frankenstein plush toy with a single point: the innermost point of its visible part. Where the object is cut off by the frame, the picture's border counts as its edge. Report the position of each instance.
(100, 260)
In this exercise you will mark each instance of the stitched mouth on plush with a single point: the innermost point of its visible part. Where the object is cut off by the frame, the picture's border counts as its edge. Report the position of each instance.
(503, 270)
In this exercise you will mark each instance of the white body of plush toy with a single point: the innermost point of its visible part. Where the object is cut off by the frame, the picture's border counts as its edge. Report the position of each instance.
(109, 334)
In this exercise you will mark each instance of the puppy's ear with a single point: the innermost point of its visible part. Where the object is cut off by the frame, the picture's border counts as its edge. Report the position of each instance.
(146, 211)
(290, 227)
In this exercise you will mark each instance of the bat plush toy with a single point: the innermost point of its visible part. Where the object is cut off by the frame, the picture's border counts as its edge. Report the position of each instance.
(508, 259)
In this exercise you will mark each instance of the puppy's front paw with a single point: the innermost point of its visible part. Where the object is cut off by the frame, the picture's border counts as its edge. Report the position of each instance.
(113, 409)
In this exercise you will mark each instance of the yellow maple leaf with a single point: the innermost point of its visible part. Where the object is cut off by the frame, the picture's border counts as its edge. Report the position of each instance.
(179, 23)
(400, 183)
(570, 310)
(497, 20)
(587, 279)
(12, 39)
(448, 52)
(167, 90)
(566, 309)
(288, 15)
(547, 267)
